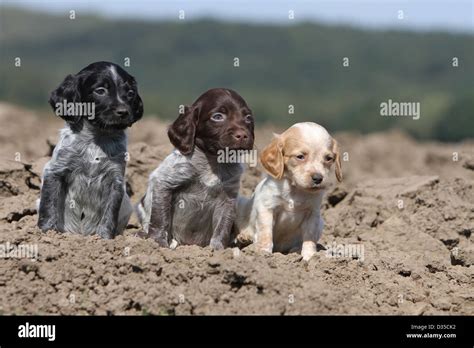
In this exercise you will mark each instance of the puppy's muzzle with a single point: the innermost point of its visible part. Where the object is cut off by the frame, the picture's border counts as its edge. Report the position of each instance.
(241, 139)
(240, 136)
(122, 112)
(317, 179)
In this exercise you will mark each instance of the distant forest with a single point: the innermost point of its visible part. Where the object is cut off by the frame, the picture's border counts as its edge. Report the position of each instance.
(278, 66)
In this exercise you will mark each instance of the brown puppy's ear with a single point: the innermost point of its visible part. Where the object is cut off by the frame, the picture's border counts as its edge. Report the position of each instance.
(337, 160)
(182, 132)
(272, 158)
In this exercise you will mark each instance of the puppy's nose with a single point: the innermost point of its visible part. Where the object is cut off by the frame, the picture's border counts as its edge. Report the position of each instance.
(317, 178)
(240, 135)
(121, 112)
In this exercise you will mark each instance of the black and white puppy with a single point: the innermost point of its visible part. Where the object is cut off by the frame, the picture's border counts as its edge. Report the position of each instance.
(83, 186)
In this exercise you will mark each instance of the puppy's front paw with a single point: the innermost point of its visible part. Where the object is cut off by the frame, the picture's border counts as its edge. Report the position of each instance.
(161, 241)
(307, 256)
(265, 247)
(160, 237)
(243, 240)
(46, 225)
(216, 244)
(141, 234)
(308, 250)
(105, 233)
(174, 244)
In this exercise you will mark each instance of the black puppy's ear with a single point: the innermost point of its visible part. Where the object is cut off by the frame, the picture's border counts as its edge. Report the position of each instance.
(68, 91)
(137, 108)
(182, 132)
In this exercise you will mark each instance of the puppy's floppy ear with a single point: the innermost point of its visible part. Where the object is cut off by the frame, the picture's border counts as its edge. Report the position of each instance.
(69, 91)
(137, 108)
(337, 159)
(137, 104)
(182, 132)
(272, 158)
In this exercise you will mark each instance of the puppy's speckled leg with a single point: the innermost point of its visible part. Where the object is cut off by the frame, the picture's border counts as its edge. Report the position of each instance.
(264, 227)
(160, 219)
(109, 222)
(223, 217)
(48, 212)
(311, 236)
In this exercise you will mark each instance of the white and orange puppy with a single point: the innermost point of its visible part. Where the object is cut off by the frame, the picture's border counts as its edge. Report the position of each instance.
(283, 215)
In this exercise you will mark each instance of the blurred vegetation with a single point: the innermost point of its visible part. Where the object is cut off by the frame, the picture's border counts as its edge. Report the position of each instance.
(301, 64)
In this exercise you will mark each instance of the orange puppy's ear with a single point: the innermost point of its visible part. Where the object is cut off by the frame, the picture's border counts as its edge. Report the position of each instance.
(272, 158)
(337, 160)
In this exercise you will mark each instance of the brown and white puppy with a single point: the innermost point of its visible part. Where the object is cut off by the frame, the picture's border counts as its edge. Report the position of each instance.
(192, 195)
(283, 214)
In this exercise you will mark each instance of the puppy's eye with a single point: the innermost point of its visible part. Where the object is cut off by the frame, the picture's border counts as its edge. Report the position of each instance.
(100, 91)
(218, 117)
(328, 158)
(131, 93)
(300, 157)
(248, 119)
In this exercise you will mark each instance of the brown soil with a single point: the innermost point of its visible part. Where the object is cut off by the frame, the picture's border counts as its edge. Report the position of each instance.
(408, 204)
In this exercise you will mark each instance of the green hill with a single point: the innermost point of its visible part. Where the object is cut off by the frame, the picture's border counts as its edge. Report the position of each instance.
(300, 64)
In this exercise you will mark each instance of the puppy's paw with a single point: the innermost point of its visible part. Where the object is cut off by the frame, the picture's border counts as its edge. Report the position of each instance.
(307, 256)
(174, 244)
(105, 233)
(46, 225)
(141, 234)
(243, 240)
(308, 250)
(162, 242)
(159, 236)
(265, 249)
(216, 244)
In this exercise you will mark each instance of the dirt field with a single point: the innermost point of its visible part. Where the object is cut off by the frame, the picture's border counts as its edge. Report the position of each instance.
(407, 206)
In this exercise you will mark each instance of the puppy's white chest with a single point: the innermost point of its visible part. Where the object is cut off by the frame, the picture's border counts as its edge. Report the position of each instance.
(294, 204)
(289, 205)
(94, 154)
(210, 179)
(95, 160)
(291, 218)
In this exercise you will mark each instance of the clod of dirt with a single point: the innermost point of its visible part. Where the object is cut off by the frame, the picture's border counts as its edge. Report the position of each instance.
(6, 189)
(16, 216)
(336, 196)
(463, 256)
(469, 162)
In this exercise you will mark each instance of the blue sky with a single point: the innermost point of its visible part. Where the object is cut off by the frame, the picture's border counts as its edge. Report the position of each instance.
(448, 15)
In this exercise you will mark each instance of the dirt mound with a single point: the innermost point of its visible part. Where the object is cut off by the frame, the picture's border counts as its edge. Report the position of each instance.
(398, 240)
